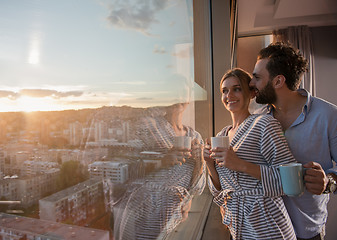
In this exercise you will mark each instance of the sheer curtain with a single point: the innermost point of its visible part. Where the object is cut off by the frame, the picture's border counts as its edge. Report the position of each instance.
(300, 37)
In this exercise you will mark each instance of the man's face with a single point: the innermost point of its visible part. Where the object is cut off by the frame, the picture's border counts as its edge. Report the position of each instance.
(262, 84)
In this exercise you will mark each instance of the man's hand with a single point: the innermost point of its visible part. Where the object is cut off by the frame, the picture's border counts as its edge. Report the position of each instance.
(315, 178)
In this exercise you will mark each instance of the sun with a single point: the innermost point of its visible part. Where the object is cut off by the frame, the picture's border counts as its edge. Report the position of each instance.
(31, 104)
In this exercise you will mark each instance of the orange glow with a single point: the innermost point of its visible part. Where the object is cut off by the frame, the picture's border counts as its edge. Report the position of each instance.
(30, 104)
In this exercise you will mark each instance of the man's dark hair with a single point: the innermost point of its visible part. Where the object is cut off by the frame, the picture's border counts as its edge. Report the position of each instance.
(284, 60)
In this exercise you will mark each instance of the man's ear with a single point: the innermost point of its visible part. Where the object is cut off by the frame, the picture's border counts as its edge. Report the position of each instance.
(279, 81)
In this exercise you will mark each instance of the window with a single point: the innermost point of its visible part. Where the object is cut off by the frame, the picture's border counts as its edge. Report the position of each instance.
(248, 48)
(101, 82)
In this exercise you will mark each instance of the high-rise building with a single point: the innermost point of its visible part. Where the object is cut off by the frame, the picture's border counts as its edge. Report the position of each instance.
(126, 131)
(75, 133)
(101, 131)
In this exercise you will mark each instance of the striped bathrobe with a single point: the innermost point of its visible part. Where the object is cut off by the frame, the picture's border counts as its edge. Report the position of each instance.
(154, 208)
(254, 209)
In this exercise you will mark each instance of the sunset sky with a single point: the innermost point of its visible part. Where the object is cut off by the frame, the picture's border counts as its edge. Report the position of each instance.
(72, 54)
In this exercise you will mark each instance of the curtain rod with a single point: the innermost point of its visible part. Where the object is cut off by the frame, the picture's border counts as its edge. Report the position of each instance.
(255, 34)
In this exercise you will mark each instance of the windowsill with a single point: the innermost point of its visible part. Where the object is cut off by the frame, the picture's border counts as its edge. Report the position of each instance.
(203, 222)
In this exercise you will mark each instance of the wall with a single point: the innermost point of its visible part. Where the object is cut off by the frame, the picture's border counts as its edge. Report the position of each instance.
(325, 51)
(248, 48)
(221, 59)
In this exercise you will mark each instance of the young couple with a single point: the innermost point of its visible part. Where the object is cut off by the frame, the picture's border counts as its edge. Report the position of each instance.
(293, 126)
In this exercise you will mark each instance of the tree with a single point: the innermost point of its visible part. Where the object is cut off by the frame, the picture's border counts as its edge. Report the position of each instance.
(71, 173)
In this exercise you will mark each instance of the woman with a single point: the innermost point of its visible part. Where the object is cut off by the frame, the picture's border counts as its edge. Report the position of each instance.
(155, 205)
(244, 179)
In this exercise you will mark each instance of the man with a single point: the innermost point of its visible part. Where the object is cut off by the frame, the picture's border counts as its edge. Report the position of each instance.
(310, 127)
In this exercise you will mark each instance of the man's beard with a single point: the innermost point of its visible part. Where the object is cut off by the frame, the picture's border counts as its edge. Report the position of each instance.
(267, 95)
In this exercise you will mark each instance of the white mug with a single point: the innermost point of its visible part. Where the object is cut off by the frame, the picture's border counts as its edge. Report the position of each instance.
(182, 142)
(221, 141)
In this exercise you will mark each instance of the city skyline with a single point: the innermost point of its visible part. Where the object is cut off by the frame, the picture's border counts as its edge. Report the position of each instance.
(69, 55)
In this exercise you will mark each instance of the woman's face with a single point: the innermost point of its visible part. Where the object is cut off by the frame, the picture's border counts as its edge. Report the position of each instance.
(177, 108)
(233, 96)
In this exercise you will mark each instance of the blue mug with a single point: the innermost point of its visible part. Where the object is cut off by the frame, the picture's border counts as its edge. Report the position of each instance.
(292, 177)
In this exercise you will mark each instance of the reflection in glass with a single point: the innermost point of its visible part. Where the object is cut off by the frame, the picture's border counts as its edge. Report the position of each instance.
(158, 202)
(92, 96)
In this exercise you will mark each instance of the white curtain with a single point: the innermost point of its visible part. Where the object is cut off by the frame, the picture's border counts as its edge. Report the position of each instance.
(300, 38)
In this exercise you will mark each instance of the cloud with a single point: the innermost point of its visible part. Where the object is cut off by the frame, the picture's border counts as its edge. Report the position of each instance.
(172, 23)
(8, 94)
(69, 94)
(133, 83)
(160, 50)
(96, 99)
(40, 93)
(144, 99)
(184, 53)
(136, 15)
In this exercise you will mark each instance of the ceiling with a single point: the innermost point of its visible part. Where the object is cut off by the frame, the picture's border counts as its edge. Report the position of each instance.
(263, 16)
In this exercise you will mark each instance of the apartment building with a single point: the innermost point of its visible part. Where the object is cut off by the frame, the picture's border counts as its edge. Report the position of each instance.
(32, 188)
(36, 167)
(9, 189)
(117, 172)
(76, 203)
(15, 227)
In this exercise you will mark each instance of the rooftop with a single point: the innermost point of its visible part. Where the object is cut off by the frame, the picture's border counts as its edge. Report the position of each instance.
(71, 190)
(49, 229)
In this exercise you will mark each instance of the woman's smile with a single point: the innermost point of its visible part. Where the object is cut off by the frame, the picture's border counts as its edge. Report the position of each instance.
(232, 102)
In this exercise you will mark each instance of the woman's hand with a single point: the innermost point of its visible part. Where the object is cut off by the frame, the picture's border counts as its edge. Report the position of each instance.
(177, 156)
(207, 153)
(185, 209)
(196, 149)
(210, 165)
(226, 157)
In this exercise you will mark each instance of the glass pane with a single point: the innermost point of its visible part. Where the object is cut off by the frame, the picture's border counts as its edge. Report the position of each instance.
(248, 48)
(98, 130)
